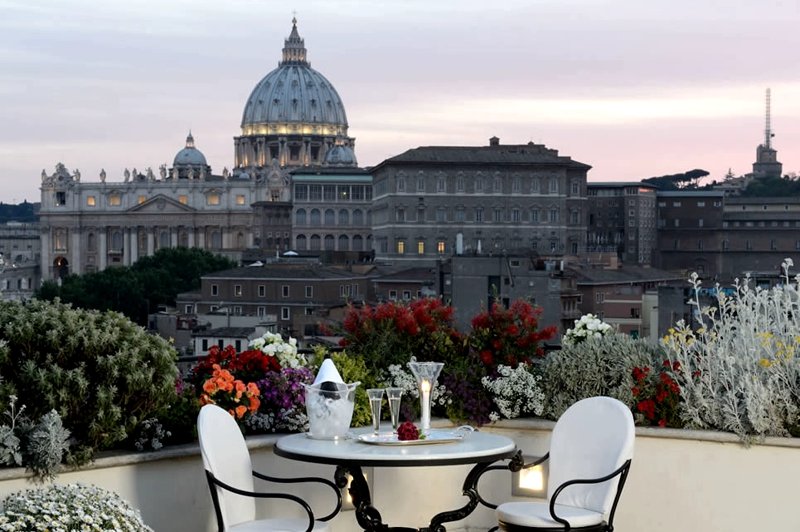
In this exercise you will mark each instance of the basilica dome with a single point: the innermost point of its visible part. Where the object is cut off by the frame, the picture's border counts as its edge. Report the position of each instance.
(294, 98)
(189, 156)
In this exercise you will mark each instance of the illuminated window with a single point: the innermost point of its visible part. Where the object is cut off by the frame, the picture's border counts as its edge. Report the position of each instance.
(440, 247)
(401, 247)
(183, 199)
(240, 199)
(90, 201)
(212, 199)
(141, 199)
(115, 200)
(420, 247)
(237, 290)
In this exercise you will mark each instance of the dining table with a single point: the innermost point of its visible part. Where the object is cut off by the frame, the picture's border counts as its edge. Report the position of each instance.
(364, 448)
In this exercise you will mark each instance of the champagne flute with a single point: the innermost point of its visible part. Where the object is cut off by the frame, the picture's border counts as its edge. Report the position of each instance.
(394, 395)
(375, 401)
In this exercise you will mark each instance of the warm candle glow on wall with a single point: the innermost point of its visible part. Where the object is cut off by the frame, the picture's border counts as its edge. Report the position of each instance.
(531, 481)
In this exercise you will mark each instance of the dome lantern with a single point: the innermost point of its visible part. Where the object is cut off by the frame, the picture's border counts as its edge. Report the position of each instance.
(294, 48)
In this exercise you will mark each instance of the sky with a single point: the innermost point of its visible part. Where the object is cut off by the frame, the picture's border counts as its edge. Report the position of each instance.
(633, 88)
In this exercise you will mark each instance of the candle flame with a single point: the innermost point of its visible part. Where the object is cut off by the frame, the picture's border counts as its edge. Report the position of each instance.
(425, 386)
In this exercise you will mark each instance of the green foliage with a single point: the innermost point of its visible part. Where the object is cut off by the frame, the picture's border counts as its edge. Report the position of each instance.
(689, 179)
(45, 446)
(179, 418)
(775, 187)
(24, 212)
(596, 366)
(134, 291)
(10, 452)
(99, 371)
(353, 368)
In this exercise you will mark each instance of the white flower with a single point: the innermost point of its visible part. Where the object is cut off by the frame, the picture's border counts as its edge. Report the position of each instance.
(285, 351)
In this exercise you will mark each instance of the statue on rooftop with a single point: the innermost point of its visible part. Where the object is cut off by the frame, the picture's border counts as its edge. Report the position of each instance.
(203, 173)
(162, 171)
(102, 175)
(127, 174)
(191, 173)
(77, 175)
(150, 175)
(175, 173)
(44, 174)
(225, 173)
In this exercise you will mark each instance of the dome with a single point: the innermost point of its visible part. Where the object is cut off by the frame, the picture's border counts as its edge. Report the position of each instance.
(341, 156)
(189, 156)
(294, 95)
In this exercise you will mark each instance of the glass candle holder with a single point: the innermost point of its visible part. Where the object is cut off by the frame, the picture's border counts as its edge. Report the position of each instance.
(426, 374)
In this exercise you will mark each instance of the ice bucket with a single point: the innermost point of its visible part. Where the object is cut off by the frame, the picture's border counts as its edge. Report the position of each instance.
(329, 406)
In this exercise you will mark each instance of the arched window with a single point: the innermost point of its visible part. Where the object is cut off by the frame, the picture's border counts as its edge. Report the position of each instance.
(183, 238)
(329, 243)
(163, 239)
(240, 240)
(315, 242)
(300, 242)
(315, 219)
(116, 240)
(358, 243)
(344, 217)
(300, 217)
(344, 243)
(91, 243)
(330, 217)
(358, 217)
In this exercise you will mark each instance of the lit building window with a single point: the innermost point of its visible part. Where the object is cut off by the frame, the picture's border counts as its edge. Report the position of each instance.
(401, 247)
(420, 247)
(115, 200)
(90, 201)
(212, 199)
(183, 199)
(440, 247)
(240, 199)
(141, 199)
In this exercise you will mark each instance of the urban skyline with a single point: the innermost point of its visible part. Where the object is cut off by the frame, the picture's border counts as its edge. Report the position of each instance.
(633, 90)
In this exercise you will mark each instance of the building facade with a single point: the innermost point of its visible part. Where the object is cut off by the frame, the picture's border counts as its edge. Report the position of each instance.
(435, 202)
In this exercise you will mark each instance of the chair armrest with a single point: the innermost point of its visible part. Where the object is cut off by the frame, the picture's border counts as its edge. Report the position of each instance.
(515, 465)
(260, 495)
(622, 471)
(298, 480)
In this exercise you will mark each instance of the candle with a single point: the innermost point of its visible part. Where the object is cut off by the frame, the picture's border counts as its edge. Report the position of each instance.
(425, 403)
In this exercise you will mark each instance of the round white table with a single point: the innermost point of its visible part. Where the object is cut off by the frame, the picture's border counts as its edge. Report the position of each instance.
(350, 455)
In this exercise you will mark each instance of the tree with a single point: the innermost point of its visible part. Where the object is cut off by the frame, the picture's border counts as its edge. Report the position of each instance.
(135, 291)
(688, 179)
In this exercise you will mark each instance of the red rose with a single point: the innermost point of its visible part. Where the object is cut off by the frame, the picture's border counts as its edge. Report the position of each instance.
(407, 431)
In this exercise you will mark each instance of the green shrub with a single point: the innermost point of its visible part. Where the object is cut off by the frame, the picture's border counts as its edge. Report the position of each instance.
(596, 366)
(353, 368)
(99, 371)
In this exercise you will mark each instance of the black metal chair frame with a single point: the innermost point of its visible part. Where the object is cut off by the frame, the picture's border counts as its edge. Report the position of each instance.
(213, 482)
(516, 464)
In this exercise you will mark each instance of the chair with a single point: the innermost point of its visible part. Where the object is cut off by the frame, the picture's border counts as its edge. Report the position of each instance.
(590, 455)
(229, 472)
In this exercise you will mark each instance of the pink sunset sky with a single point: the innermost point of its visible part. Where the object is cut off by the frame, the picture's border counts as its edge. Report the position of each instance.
(633, 88)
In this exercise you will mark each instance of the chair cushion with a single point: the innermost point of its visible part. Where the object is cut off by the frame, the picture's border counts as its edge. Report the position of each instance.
(277, 525)
(537, 514)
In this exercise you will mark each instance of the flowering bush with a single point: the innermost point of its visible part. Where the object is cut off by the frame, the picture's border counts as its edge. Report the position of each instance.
(657, 397)
(596, 366)
(248, 365)
(231, 394)
(285, 352)
(738, 370)
(69, 508)
(515, 392)
(508, 336)
(393, 332)
(588, 326)
(283, 401)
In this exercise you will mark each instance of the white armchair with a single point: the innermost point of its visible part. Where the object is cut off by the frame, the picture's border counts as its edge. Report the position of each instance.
(230, 474)
(590, 455)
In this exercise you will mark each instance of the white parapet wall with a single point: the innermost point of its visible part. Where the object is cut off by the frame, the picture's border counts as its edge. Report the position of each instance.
(680, 480)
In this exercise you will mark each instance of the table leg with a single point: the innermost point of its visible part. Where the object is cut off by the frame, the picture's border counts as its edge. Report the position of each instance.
(368, 517)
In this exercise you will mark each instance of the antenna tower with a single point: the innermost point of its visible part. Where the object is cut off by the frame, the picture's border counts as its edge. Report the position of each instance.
(768, 130)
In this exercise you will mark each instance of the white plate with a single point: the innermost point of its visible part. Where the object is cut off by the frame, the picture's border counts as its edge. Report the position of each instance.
(388, 438)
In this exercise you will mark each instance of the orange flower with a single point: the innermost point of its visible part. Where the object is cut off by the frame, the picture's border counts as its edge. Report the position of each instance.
(205, 400)
(209, 386)
(254, 404)
(252, 389)
(241, 411)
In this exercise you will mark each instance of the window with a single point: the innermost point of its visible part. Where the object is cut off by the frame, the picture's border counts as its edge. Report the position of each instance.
(498, 184)
(676, 222)
(479, 214)
(261, 312)
(535, 185)
(701, 203)
(461, 214)
(141, 199)
(301, 192)
(725, 245)
(553, 215)
(392, 294)
(497, 215)
(61, 199)
(90, 201)
(214, 290)
(599, 297)
(420, 247)
(401, 184)
(237, 290)
(676, 203)
(309, 291)
(515, 215)
(240, 199)
(479, 184)
(212, 199)
(700, 245)
(400, 214)
(183, 199)
(308, 311)
(115, 200)
(441, 215)
(575, 217)
(748, 245)
(401, 247)
(237, 311)
(553, 185)
(574, 248)
(516, 186)
(205, 344)
(262, 290)
(773, 245)
(440, 247)
(285, 290)
(553, 245)
(285, 314)
(406, 295)
(315, 192)
(534, 215)
(575, 188)
(420, 184)
(441, 184)
(460, 183)
(700, 222)
(188, 309)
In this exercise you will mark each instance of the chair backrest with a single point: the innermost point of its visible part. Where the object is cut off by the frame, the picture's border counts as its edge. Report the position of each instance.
(226, 456)
(591, 439)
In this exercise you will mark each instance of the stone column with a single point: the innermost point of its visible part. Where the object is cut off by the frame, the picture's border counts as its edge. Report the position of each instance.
(190, 242)
(46, 256)
(75, 254)
(102, 248)
(126, 248)
(201, 242)
(150, 241)
(134, 244)
(173, 237)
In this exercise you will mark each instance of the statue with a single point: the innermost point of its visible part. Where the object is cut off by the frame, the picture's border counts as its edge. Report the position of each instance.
(162, 171)
(175, 173)
(203, 173)
(44, 175)
(102, 175)
(135, 174)
(127, 174)
(225, 172)
(150, 175)
(191, 173)
(77, 175)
